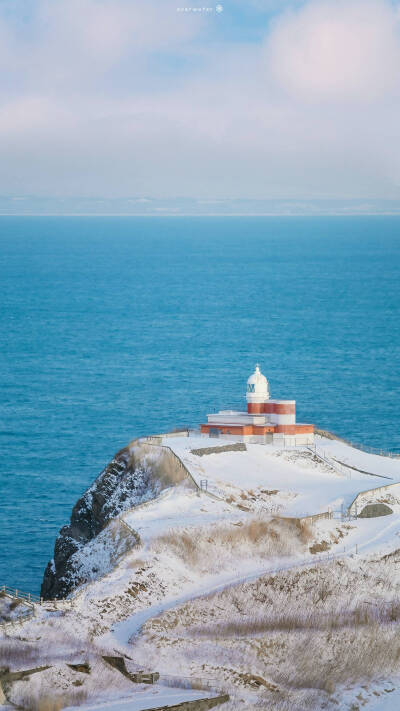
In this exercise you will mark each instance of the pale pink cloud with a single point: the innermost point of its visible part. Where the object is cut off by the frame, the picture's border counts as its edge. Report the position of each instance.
(313, 110)
(347, 49)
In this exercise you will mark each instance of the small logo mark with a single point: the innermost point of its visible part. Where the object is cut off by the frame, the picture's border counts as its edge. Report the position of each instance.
(219, 8)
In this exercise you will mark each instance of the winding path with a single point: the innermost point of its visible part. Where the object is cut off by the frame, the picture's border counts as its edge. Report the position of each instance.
(122, 632)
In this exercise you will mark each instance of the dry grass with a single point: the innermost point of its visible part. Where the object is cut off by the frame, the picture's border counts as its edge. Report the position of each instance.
(264, 538)
(306, 633)
(320, 547)
(122, 539)
(167, 470)
(16, 654)
(136, 563)
(350, 656)
(60, 685)
(16, 602)
(9, 605)
(53, 702)
(53, 643)
(162, 465)
(308, 701)
(311, 618)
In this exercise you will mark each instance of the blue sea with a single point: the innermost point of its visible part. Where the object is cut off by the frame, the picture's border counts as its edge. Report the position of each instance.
(112, 328)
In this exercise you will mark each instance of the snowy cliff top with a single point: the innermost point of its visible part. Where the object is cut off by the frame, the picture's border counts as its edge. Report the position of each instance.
(303, 483)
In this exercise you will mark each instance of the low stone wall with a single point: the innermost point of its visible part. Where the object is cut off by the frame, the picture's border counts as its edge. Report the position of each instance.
(307, 520)
(329, 435)
(315, 517)
(7, 678)
(369, 496)
(236, 447)
(198, 705)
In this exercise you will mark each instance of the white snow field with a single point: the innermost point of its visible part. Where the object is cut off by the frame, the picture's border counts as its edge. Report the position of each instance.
(178, 507)
(227, 558)
(304, 486)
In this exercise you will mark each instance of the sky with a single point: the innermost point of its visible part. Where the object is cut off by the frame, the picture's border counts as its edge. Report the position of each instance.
(157, 105)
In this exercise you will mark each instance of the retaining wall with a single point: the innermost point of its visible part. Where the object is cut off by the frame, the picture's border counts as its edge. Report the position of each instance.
(198, 705)
(315, 517)
(236, 447)
(369, 496)
(145, 441)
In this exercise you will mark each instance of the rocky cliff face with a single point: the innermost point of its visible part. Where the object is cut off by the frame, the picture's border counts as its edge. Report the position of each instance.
(126, 481)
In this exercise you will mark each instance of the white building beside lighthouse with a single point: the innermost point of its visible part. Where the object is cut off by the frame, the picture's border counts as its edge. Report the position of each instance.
(266, 421)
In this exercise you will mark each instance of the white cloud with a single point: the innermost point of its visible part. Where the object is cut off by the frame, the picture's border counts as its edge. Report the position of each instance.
(80, 44)
(336, 50)
(88, 107)
(105, 29)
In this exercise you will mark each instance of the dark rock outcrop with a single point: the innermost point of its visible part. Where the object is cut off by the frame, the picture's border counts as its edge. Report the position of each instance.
(124, 483)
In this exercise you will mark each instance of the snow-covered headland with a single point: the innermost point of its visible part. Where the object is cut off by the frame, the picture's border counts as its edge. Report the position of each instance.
(208, 562)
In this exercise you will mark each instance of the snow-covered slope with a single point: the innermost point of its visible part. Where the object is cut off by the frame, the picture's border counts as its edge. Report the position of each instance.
(83, 549)
(178, 508)
(148, 548)
(301, 483)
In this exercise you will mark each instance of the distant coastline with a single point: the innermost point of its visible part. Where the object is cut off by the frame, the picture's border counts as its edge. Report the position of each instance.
(31, 206)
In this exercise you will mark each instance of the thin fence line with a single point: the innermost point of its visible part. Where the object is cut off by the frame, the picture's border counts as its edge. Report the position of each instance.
(362, 447)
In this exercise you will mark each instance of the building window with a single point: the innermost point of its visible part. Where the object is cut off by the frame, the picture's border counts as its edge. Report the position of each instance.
(251, 388)
(214, 432)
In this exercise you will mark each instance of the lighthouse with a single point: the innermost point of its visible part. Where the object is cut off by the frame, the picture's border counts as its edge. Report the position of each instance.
(267, 421)
(257, 391)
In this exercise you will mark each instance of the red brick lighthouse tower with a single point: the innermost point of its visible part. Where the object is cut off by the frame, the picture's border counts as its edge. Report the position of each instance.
(257, 392)
(266, 421)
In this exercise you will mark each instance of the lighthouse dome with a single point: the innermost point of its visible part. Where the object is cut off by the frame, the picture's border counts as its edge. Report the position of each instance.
(257, 385)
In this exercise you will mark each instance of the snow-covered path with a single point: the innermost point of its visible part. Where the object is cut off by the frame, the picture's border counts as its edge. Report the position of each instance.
(144, 699)
(315, 488)
(366, 537)
(388, 702)
(123, 631)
